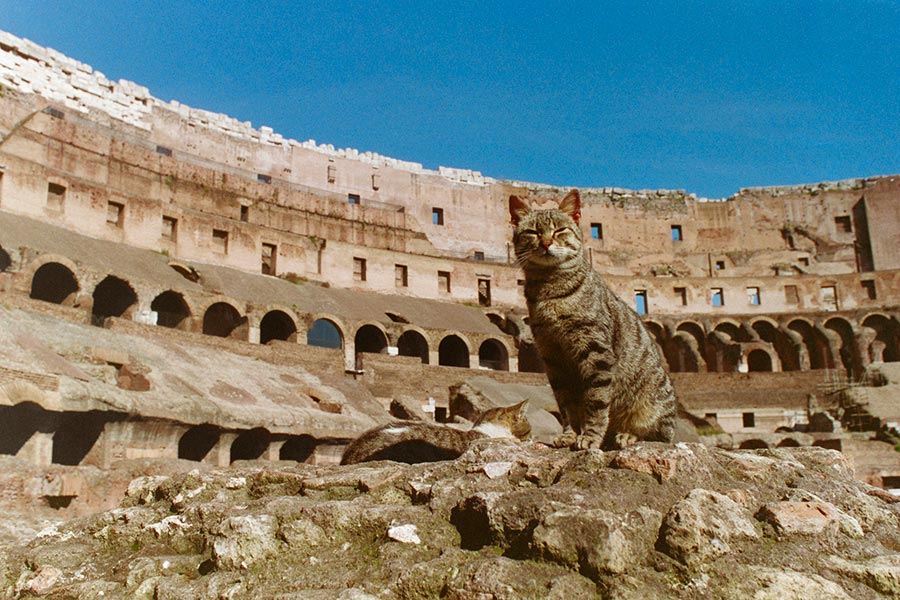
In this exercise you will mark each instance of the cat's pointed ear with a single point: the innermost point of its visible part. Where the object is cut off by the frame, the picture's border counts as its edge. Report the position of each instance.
(517, 209)
(571, 205)
(521, 406)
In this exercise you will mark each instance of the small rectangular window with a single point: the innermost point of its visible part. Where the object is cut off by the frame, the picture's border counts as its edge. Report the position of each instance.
(376, 181)
(331, 173)
(804, 260)
(749, 419)
(263, 178)
(437, 216)
(681, 295)
(220, 240)
(479, 255)
(791, 294)
(720, 265)
(245, 213)
(170, 228)
(711, 416)
(164, 151)
(753, 296)
(718, 298)
(597, 231)
(114, 213)
(484, 292)
(828, 297)
(444, 281)
(676, 233)
(353, 198)
(269, 255)
(56, 195)
(869, 286)
(401, 276)
(843, 224)
(640, 301)
(359, 269)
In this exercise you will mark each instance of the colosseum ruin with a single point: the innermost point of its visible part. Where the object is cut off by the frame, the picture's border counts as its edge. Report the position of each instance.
(179, 284)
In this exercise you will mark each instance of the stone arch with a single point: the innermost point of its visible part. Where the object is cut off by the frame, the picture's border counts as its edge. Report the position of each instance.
(886, 345)
(788, 442)
(19, 422)
(505, 324)
(493, 354)
(54, 282)
(300, 448)
(847, 350)
(695, 330)
(113, 297)
(453, 351)
(413, 343)
(325, 332)
(754, 444)
(197, 442)
(769, 332)
(817, 348)
(223, 319)
(370, 338)
(75, 436)
(251, 444)
(172, 310)
(732, 329)
(665, 345)
(758, 360)
(686, 357)
(277, 325)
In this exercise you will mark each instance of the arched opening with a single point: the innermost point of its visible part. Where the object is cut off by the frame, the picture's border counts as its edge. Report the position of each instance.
(18, 423)
(887, 338)
(685, 349)
(250, 445)
(413, 343)
(5, 260)
(277, 325)
(493, 355)
(753, 445)
(453, 352)
(55, 283)
(75, 437)
(788, 442)
(370, 339)
(197, 442)
(171, 310)
(325, 334)
(846, 351)
(223, 320)
(113, 297)
(816, 344)
(784, 347)
(299, 448)
(759, 361)
(732, 330)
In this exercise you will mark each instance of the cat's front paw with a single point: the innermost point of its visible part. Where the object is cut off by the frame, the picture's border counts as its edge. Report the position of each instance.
(565, 440)
(583, 442)
(625, 439)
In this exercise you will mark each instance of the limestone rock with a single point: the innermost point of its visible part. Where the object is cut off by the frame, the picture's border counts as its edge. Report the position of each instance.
(800, 517)
(881, 573)
(700, 526)
(245, 540)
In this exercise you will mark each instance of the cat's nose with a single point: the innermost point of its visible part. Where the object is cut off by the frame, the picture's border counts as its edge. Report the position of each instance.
(546, 243)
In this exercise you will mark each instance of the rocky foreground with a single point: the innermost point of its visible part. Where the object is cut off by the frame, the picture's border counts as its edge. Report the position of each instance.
(504, 521)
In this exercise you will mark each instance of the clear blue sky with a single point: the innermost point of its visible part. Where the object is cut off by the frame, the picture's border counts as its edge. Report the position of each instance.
(703, 96)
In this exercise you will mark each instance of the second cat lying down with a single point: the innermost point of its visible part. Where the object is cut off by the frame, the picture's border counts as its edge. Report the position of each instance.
(418, 441)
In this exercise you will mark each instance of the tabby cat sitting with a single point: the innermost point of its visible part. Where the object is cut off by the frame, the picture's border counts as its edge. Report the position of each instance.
(605, 369)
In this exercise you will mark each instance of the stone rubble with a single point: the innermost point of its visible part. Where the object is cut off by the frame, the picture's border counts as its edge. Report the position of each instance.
(505, 521)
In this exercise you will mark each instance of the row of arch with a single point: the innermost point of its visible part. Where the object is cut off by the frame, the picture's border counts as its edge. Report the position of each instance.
(73, 435)
(115, 297)
(764, 344)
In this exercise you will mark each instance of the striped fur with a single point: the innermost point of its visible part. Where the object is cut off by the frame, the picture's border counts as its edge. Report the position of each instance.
(606, 371)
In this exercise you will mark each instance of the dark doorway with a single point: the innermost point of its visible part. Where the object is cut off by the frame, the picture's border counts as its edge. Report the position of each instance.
(324, 334)
(197, 442)
(453, 352)
(759, 360)
(113, 297)
(75, 437)
(493, 355)
(277, 325)
(300, 448)
(413, 343)
(171, 310)
(250, 445)
(55, 283)
(223, 320)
